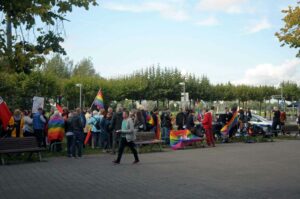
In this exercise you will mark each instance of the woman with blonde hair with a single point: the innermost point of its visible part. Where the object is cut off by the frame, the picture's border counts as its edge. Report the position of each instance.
(18, 124)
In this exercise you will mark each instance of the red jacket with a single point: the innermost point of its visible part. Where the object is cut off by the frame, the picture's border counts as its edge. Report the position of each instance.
(207, 121)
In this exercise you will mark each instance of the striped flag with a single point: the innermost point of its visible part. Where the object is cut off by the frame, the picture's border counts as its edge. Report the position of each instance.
(99, 100)
(232, 123)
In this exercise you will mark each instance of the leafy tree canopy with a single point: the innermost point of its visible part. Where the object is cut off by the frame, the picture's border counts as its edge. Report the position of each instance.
(290, 33)
(32, 29)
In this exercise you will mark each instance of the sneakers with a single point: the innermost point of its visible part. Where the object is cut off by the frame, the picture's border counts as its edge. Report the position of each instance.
(116, 162)
(136, 161)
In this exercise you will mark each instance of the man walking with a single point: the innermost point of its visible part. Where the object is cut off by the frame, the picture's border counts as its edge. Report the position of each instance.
(127, 138)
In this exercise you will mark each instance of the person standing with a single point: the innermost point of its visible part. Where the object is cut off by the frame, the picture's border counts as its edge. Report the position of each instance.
(69, 134)
(127, 138)
(190, 122)
(104, 134)
(166, 126)
(181, 120)
(39, 123)
(207, 125)
(95, 121)
(116, 124)
(282, 121)
(139, 121)
(276, 121)
(18, 125)
(28, 131)
(77, 128)
(248, 114)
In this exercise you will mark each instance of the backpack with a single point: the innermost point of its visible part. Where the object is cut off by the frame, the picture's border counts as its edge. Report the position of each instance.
(98, 123)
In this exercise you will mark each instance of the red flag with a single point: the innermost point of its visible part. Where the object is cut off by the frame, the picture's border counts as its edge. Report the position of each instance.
(88, 137)
(59, 108)
(5, 114)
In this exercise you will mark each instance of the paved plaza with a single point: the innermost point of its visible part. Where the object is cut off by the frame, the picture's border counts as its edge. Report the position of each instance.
(261, 170)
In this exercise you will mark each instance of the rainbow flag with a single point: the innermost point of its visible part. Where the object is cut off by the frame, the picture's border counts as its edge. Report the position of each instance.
(99, 100)
(179, 138)
(56, 128)
(158, 131)
(232, 123)
(150, 119)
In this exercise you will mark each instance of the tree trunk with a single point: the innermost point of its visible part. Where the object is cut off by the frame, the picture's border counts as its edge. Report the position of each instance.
(8, 34)
(260, 107)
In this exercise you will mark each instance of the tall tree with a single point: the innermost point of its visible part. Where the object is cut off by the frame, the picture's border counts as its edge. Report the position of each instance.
(42, 20)
(59, 67)
(290, 33)
(84, 68)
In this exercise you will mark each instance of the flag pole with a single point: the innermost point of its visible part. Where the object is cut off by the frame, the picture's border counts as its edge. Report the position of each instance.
(95, 98)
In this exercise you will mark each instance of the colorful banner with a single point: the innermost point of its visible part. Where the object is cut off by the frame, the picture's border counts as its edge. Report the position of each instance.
(56, 128)
(232, 123)
(178, 139)
(99, 100)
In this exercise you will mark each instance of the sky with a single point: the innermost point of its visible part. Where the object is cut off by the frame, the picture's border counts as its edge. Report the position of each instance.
(225, 40)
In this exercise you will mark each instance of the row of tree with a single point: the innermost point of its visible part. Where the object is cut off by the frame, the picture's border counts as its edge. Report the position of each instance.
(58, 77)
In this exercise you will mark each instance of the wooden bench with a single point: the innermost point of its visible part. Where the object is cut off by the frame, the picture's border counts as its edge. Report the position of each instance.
(147, 138)
(291, 128)
(19, 145)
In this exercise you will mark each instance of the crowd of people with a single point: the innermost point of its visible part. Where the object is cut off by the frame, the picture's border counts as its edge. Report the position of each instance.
(111, 130)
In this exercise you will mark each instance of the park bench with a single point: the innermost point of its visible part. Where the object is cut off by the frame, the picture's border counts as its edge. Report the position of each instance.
(291, 128)
(147, 138)
(19, 145)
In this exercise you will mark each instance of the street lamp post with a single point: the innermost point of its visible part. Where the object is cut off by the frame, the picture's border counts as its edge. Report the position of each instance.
(183, 86)
(80, 88)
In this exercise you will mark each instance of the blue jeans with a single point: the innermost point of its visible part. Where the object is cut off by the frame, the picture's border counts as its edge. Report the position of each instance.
(104, 139)
(77, 144)
(166, 134)
(70, 139)
(96, 139)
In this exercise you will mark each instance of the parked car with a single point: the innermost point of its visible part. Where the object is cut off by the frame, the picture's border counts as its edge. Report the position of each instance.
(260, 124)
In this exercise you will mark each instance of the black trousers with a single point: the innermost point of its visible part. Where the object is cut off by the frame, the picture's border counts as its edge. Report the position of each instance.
(131, 145)
(274, 127)
(39, 134)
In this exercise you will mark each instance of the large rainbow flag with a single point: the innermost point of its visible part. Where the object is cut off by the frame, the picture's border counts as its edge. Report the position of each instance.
(179, 138)
(99, 100)
(56, 128)
(232, 123)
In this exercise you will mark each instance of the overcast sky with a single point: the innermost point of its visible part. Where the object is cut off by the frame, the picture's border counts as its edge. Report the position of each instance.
(226, 40)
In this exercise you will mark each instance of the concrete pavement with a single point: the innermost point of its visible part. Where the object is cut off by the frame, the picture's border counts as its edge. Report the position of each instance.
(260, 170)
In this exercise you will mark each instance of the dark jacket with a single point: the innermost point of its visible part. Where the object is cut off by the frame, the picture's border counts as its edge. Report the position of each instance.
(105, 123)
(68, 125)
(77, 124)
(116, 122)
(166, 120)
(276, 117)
(190, 122)
(180, 119)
